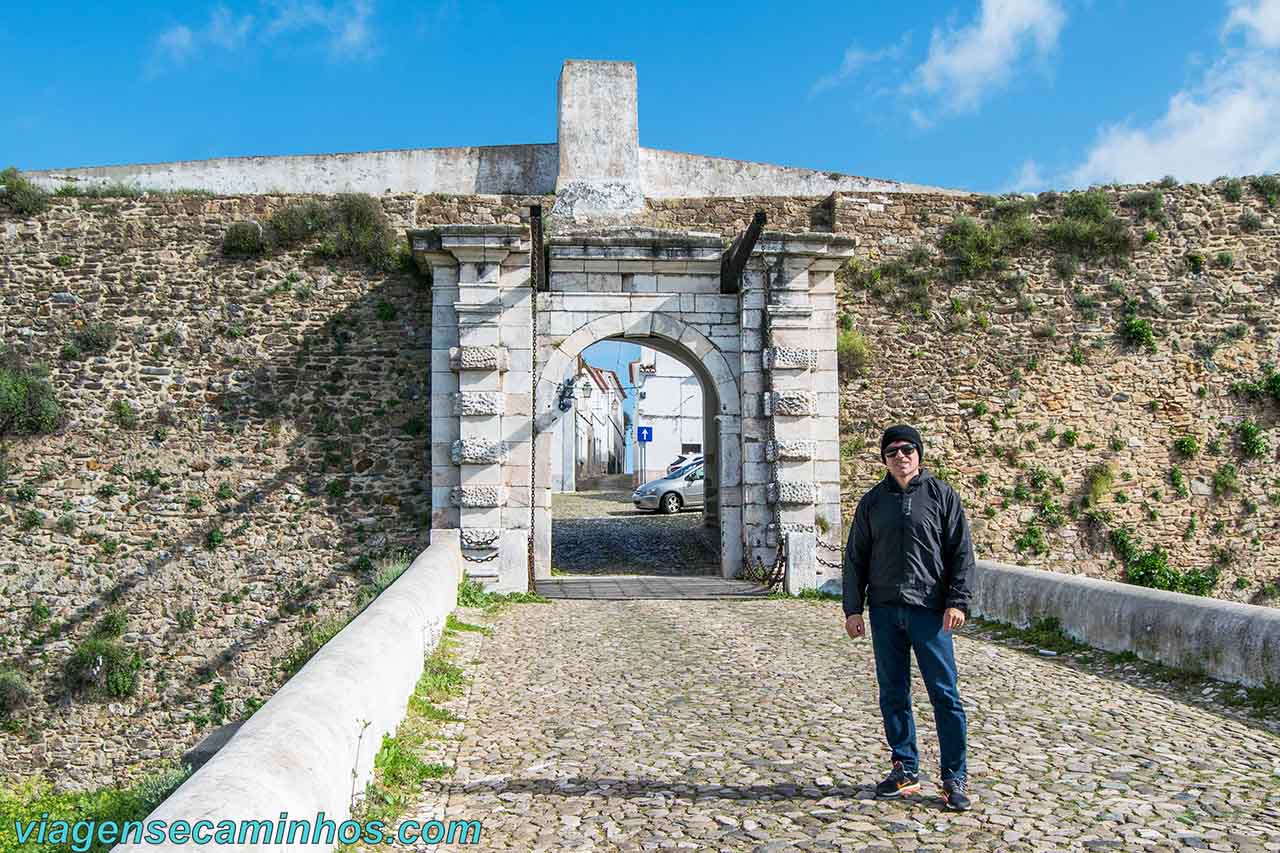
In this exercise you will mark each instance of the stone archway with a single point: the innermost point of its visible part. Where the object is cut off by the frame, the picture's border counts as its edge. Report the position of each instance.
(721, 417)
(765, 345)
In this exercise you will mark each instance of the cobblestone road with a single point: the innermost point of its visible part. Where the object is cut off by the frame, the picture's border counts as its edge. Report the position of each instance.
(603, 533)
(643, 725)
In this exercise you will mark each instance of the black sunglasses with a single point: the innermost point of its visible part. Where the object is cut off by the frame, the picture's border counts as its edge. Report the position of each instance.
(905, 450)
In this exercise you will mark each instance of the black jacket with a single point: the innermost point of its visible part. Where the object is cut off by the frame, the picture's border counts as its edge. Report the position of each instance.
(909, 547)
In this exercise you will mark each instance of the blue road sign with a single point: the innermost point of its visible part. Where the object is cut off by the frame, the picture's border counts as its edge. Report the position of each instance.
(644, 434)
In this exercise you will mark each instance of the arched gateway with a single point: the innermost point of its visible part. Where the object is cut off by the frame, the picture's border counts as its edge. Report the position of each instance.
(755, 321)
(762, 344)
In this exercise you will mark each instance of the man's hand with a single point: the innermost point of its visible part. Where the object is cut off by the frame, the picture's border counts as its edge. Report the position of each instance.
(952, 618)
(854, 626)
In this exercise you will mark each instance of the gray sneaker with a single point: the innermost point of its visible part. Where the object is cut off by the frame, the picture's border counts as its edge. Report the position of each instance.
(954, 795)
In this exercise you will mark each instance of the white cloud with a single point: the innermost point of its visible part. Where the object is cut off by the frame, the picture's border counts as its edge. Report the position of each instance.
(347, 24)
(920, 120)
(1030, 179)
(227, 31)
(966, 64)
(176, 43)
(1229, 124)
(855, 58)
(1260, 20)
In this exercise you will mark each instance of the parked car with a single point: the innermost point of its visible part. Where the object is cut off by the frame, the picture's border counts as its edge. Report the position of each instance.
(681, 488)
(682, 460)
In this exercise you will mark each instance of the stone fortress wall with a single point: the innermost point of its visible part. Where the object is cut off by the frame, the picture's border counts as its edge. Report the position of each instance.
(1008, 350)
(283, 403)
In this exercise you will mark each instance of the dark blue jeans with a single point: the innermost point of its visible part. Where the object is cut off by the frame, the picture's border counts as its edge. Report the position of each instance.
(895, 631)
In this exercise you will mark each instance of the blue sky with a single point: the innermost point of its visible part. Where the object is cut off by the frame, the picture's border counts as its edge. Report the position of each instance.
(989, 95)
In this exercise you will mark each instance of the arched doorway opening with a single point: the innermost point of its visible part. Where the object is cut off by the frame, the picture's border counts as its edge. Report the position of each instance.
(697, 541)
(631, 493)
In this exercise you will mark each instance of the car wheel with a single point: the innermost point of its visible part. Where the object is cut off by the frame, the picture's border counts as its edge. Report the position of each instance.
(671, 503)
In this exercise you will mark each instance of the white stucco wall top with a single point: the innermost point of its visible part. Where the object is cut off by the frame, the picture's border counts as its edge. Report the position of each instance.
(474, 170)
(479, 170)
(671, 174)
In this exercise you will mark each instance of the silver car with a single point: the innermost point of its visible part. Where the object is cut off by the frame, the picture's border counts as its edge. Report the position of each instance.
(679, 489)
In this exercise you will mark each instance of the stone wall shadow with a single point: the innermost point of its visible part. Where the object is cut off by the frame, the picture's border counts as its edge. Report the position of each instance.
(353, 392)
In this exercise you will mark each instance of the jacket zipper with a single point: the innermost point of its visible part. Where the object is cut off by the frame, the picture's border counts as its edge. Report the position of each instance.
(905, 503)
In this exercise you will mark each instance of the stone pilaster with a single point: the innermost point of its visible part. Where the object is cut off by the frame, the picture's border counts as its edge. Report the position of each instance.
(482, 370)
(798, 430)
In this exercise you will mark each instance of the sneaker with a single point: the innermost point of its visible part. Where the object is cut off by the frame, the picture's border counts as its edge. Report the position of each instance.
(899, 783)
(954, 795)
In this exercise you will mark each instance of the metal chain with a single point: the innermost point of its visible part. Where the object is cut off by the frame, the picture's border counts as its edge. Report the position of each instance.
(536, 260)
(486, 543)
(828, 563)
(487, 559)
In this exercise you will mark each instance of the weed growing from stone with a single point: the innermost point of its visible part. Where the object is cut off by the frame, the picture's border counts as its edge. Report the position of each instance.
(125, 415)
(27, 405)
(1252, 442)
(1267, 386)
(853, 354)
(101, 663)
(1147, 205)
(1097, 482)
(1138, 332)
(1268, 187)
(1031, 539)
(1225, 480)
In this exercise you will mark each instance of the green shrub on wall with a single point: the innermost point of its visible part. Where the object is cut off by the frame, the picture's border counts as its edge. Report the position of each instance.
(1267, 386)
(1268, 187)
(15, 693)
(1146, 205)
(102, 663)
(93, 339)
(1151, 568)
(27, 403)
(20, 196)
(977, 248)
(1137, 331)
(295, 223)
(853, 353)
(362, 232)
(351, 225)
(244, 240)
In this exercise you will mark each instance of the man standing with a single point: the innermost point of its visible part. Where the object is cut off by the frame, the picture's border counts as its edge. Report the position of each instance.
(909, 558)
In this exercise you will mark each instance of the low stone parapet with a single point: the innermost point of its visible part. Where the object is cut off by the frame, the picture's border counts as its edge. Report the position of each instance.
(310, 748)
(1233, 642)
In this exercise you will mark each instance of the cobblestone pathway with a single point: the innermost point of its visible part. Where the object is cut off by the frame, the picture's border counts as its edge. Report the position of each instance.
(603, 533)
(648, 725)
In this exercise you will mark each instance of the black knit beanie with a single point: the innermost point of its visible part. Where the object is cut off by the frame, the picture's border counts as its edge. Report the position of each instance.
(901, 432)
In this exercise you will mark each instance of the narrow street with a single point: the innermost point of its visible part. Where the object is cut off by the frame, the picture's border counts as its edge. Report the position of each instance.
(602, 532)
